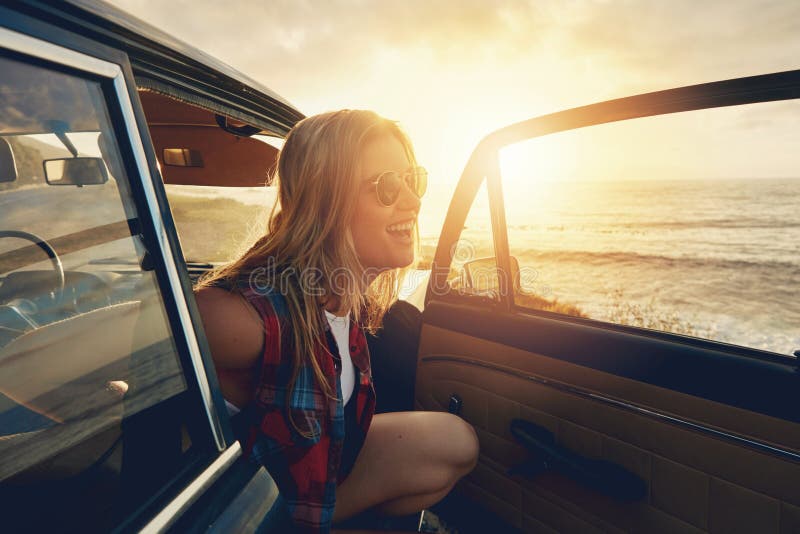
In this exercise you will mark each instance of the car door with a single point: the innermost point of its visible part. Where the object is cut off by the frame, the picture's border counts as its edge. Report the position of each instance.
(638, 333)
(109, 420)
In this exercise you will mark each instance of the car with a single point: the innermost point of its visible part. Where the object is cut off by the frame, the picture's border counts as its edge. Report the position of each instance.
(131, 164)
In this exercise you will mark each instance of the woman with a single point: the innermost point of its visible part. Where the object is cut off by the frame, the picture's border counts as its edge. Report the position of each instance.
(286, 323)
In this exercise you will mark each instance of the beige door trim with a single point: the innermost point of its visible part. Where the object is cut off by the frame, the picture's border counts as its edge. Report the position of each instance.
(756, 445)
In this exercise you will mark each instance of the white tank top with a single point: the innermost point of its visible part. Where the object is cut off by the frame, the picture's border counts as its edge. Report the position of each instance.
(340, 327)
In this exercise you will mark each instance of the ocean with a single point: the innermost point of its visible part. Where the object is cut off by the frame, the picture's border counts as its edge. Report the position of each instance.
(718, 259)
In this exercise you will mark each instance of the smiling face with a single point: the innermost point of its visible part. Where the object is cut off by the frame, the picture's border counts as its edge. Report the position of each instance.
(384, 235)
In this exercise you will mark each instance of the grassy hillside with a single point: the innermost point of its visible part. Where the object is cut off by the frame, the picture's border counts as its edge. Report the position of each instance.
(28, 157)
(216, 230)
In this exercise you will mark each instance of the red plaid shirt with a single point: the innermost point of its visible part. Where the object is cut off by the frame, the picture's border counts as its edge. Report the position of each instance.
(306, 469)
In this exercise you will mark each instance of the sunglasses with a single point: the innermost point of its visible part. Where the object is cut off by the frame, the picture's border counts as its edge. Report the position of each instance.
(389, 184)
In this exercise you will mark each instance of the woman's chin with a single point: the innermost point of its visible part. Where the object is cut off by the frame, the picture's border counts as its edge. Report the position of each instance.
(404, 260)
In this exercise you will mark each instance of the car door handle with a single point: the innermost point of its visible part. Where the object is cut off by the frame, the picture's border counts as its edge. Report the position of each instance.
(600, 475)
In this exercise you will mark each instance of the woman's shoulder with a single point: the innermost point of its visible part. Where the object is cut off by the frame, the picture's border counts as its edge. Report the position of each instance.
(234, 330)
(214, 296)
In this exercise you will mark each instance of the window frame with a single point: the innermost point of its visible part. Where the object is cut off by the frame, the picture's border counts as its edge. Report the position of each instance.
(37, 43)
(484, 164)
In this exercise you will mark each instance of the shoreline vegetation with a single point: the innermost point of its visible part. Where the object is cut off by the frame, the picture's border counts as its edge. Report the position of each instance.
(621, 310)
(522, 298)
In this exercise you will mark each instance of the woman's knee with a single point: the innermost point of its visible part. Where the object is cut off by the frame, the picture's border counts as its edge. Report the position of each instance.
(464, 441)
(457, 442)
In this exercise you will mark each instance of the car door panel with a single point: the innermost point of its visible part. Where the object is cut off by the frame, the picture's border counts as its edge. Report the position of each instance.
(628, 379)
(693, 477)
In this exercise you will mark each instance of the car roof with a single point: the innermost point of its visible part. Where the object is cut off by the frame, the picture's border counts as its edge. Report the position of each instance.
(165, 64)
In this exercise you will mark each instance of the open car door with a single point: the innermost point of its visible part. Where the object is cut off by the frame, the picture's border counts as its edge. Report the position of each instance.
(627, 417)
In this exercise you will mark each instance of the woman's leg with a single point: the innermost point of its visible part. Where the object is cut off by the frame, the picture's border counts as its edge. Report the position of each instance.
(410, 460)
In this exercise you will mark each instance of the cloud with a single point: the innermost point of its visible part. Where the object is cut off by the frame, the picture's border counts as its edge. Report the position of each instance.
(307, 41)
(683, 41)
(297, 47)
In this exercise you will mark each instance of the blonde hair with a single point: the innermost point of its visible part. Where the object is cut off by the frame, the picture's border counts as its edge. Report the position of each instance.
(308, 247)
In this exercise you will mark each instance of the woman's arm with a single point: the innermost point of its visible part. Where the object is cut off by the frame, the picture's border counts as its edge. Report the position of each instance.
(299, 464)
(236, 338)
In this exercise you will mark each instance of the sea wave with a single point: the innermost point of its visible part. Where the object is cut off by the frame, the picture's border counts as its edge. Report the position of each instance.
(711, 224)
(640, 225)
(654, 260)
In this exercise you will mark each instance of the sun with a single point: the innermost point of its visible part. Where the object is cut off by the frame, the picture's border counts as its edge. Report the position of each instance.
(530, 167)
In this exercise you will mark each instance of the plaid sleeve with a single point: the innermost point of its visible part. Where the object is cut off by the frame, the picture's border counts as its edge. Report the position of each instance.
(295, 452)
(300, 471)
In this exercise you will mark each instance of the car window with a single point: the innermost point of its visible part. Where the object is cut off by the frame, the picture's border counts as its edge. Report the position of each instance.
(473, 269)
(215, 179)
(683, 223)
(216, 224)
(94, 413)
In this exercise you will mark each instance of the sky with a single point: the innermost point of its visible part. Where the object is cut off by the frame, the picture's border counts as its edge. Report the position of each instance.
(451, 71)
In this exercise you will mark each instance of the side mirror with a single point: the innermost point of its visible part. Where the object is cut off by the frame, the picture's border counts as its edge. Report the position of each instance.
(75, 171)
(8, 168)
(482, 275)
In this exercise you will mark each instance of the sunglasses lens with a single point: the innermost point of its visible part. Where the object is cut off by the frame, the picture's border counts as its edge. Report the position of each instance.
(389, 184)
(420, 181)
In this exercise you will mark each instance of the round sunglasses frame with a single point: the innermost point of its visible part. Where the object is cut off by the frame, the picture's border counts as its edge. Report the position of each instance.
(416, 180)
